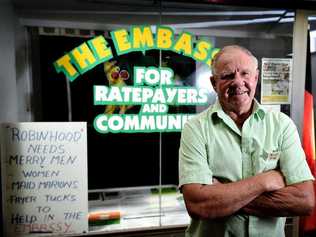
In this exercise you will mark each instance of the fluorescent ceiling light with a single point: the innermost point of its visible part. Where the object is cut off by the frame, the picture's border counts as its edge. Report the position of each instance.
(223, 23)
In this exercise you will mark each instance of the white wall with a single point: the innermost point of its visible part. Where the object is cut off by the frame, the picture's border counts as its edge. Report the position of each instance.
(8, 92)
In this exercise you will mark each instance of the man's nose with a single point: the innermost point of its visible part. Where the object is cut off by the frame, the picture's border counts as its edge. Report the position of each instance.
(238, 79)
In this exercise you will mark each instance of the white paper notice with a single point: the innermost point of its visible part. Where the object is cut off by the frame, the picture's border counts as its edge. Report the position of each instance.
(44, 178)
(276, 80)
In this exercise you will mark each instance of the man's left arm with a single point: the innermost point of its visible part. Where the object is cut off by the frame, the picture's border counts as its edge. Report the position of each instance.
(297, 197)
(292, 200)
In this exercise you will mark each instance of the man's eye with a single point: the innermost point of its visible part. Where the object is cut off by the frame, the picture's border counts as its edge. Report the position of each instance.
(227, 76)
(246, 73)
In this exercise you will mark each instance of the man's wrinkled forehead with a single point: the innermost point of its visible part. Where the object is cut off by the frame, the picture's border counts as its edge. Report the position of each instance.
(234, 59)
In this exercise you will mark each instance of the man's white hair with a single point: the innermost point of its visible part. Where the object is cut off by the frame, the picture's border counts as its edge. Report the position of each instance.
(230, 47)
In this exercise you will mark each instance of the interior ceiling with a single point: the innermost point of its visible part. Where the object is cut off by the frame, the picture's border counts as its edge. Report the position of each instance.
(172, 11)
(134, 4)
(179, 14)
(154, 4)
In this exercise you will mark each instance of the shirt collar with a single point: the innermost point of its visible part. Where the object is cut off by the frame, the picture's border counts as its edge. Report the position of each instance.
(258, 110)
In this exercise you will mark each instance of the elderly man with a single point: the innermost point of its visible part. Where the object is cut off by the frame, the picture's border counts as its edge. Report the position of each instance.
(241, 168)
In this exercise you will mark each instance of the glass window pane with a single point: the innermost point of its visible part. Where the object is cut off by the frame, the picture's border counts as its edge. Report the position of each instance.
(266, 33)
(136, 172)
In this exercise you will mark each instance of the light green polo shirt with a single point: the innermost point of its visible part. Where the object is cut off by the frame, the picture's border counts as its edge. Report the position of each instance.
(213, 146)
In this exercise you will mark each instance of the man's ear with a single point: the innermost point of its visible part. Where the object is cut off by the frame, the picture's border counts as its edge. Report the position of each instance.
(257, 75)
(213, 81)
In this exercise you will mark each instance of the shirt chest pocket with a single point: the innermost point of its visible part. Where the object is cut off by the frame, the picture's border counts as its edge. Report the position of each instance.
(265, 160)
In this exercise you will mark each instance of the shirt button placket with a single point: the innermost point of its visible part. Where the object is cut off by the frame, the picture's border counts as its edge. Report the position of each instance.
(246, 159)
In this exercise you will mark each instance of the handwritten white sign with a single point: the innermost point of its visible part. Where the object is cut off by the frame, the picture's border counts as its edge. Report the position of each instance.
(44, 178)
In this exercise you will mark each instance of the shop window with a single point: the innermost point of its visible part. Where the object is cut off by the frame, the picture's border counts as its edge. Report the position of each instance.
(137, 164)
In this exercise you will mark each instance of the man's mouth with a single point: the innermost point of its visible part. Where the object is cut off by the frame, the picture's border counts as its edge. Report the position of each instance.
(236, 92)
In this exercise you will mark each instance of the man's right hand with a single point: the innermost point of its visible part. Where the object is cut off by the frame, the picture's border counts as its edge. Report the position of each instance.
(272, 180)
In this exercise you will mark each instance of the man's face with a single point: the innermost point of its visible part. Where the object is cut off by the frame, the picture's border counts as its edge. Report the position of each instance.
(235, 81)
